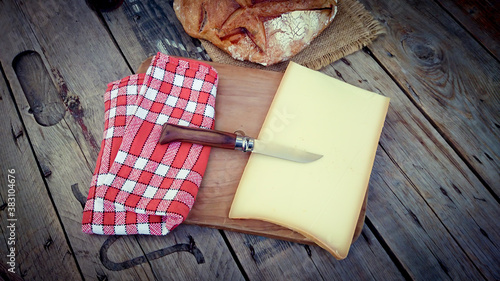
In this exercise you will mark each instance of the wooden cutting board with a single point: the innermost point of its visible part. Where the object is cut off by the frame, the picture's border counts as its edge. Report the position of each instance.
(243, 99)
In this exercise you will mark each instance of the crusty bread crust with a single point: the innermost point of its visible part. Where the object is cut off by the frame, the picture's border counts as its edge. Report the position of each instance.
(261, 31)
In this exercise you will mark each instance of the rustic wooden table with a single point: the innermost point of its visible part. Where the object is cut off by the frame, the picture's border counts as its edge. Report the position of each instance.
(433, 209)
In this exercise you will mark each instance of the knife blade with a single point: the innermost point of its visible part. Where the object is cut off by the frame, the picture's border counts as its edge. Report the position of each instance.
(221, 139)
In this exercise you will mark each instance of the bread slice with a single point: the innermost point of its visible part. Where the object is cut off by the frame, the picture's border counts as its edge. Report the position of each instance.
(260, 31)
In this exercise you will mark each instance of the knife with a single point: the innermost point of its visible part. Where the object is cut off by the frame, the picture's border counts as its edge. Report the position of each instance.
(215, 138)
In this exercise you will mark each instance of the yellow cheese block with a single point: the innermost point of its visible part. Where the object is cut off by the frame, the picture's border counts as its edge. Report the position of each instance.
(322, 199)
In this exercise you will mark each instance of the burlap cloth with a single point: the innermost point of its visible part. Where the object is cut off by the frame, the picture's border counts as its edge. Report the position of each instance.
(352, 29)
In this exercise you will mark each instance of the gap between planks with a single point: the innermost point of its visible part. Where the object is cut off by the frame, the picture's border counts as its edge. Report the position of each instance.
(40, 170)
(434, 125)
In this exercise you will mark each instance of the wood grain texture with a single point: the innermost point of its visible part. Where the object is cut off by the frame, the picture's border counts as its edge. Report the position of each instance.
(448, 75)
(148, 20)
(207, 256)
(29, 222)
(480, 18)
(428, 183)
(58, 153)
(270, 259)
(418, 238)
(5, 274)
(433, 196)
(69, 148)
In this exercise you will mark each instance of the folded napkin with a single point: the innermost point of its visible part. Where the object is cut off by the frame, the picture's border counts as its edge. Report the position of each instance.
(139, 186)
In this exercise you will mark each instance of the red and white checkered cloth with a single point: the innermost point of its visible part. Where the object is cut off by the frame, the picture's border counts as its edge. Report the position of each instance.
(139, 186)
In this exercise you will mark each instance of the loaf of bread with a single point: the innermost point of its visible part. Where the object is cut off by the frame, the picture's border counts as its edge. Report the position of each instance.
(260, 31)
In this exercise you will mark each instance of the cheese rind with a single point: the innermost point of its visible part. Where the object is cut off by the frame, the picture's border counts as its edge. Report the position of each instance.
(322, 199)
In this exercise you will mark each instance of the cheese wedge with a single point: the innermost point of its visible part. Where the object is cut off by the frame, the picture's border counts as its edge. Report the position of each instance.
(322, 199)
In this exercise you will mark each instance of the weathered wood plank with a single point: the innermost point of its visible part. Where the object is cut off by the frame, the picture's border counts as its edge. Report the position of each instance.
(433, 213)
(423, 245)
(155, 28)
(59, 161)
(71, 149)
(205, 255)
(358, 265)
(428, 182)
(34, 243)
(181, 255)
(448, 75)
(5, 274)
(480, 18)
(59, 155)
(271, 259)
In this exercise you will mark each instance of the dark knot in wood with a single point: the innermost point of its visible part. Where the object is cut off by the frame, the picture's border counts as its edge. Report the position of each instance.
(425, 51)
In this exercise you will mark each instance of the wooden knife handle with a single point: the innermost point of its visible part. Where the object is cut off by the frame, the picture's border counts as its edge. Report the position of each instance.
(171, 133)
